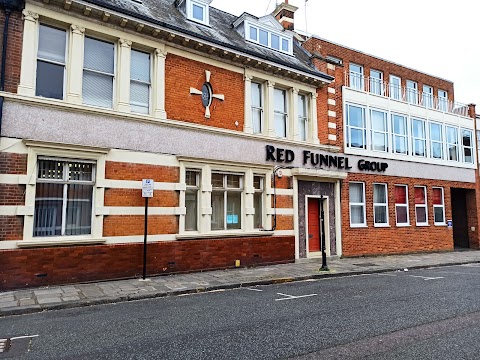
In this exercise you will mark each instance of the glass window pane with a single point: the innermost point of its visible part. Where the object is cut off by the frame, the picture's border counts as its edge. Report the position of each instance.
(437, 196)
(355, 116)
(302, 106)
(263, 38)
(191, 208)
(438, 213)
(402, 217)
(197, 12)
(191, 178)
(466, 137)
(356, 214)
(285, 46)
(258, 182)
(50, 169)
(467, 155)
(99, 55)
(51, 44)
(218, 211)
(258, 217)
(139, 97)
(257, 120)
(140, 66)
(452, 137)
(234, 210)
(379, 193)
(253, 33)
(436, 132)
(80, 171)
(97, 89)
(275, 42)
(381, 215)
(358, 139)
(419, 195)
(79, 209)
(418, 127)
(279, 100)
(256, 95)
(378, 120)
(48, 209)
(421, 213)
(217, 180)
(233, 181)
(400, 194)
(437, 150)
(49, 80)
(280, 125)
(356, 193)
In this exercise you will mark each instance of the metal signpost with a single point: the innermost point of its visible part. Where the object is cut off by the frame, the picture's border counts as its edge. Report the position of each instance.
(322, 236)
(147, 192)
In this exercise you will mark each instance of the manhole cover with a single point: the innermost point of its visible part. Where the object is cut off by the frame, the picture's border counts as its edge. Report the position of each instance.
(366, 264)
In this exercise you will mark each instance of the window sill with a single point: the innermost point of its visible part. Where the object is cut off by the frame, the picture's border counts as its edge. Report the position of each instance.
(382, 225)
(217, 235)
(403, 225)
(358, 226)
(51, 242)
(440, 224)
(422, 225)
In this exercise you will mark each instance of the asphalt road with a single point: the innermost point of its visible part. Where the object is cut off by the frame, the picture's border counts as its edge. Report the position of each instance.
(422, 314)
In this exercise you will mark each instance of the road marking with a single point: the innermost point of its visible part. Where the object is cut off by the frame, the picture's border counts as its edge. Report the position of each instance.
(24, 337)
(292, 297)
(427, 277)
(471, 265)
(253, 289)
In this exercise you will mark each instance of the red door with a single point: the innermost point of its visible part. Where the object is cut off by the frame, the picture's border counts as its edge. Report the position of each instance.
(313, 225)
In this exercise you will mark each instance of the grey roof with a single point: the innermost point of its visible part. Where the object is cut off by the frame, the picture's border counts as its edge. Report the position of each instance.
(165, 14)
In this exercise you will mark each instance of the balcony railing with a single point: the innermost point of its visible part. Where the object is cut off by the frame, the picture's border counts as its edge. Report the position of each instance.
(408, 95)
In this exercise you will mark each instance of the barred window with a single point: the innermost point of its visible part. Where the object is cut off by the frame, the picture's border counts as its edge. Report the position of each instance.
(63, 198)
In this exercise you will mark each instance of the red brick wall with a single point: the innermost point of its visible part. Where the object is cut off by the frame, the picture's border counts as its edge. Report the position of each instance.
(11, 163)
(325, 48)
(14, 49)
(128, 225)
(392, 240)
(11, 228)
(137, 172)
(181, 74)
(20, 268)
(133, 197)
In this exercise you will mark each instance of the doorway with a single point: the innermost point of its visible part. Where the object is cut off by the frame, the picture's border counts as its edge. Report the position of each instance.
(459, 218)
(314, 247)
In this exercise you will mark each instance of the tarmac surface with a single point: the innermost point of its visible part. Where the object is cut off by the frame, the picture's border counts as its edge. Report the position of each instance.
(32, 300)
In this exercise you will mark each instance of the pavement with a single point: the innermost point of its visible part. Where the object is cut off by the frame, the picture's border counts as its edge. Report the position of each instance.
(32, 300)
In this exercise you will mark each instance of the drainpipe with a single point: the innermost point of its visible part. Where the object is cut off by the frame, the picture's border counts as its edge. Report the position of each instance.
(8, 7)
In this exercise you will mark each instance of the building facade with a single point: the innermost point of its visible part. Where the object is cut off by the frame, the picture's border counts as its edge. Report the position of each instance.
(248, 130)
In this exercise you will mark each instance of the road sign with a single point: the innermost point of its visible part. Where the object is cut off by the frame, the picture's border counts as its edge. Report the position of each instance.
(147, 188)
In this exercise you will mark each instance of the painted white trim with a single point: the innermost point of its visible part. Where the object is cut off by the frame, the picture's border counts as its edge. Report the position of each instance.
(331, 102)
(284, 232)
(331, 90)
(138, 239)
(332, 137)
(11, 145)
(131, 184)
(13, 179)
(136, 157)
(332, 113)
(60, 241)
(9, 210)
(296, 218)
(332, 125)
(338, 218)
(326, 223)
(281, 192)
(281, 211)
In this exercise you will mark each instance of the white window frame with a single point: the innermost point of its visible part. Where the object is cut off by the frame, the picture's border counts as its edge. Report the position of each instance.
(196, 188)
(427, 96)
(303, 121)
(402, 205)
(283, 113)
(412, 92)
(206, 12)
(395, 135)
(441, 142)
(384, 133)
(149, 110)
(262, 205)
(64, 90)
(376, 83)
(442, 100)
(383, 205)
(439, 206)
(363, 204)
(249, 26)
(415, 138)
(395, 90)
(425, 205)
(464, 147)
(357, 78)
(350, 127)
(114, 76)
(225, 189)
(456, 145)
(258, 108)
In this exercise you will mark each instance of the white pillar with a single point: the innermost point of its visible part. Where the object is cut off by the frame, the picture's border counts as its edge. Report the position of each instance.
(249, 201)
(338, 218)
(75, 64)
(206, 200)
(269, 118)
(29, 54)
(123, 81)
(313, 119)
(159, 85)
(294, 125)
(248, 126)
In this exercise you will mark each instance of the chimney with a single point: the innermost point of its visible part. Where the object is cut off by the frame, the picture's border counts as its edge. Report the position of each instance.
(284, 13)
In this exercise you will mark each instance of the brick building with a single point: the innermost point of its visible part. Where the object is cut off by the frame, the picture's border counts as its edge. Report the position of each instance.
(247, 129)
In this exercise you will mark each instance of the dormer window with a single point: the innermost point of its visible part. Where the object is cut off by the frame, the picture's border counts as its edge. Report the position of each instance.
(269, 38)
(198, 10)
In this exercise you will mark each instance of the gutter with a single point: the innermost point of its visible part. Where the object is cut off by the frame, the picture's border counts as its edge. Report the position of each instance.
(8, 7)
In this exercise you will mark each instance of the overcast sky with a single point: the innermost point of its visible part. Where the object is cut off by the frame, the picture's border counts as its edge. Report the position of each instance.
(437, 37)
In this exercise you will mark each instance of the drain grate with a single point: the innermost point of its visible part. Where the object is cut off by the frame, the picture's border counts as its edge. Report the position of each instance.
(365, 264)
(4, 345)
